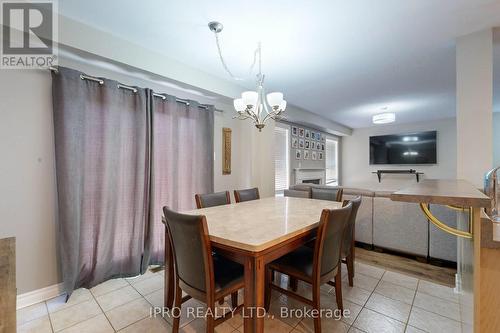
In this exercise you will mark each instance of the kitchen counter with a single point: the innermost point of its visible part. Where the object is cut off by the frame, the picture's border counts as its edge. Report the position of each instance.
(478, 265)
(443, 192)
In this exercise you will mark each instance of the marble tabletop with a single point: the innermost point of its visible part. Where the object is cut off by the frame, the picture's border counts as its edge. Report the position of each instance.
(259, 224)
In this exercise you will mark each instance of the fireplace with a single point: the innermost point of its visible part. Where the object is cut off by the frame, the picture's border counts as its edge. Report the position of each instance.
(316, 181)
(309, 176)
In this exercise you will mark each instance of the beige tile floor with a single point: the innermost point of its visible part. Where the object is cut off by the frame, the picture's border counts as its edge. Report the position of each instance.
(380, 301)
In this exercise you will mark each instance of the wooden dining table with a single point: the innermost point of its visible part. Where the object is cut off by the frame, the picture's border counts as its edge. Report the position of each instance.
(255, 233)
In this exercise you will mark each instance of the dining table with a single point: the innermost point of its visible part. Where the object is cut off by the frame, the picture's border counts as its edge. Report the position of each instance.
(254, 233)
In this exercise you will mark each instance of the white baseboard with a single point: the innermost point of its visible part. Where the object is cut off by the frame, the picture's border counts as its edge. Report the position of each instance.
(39, 295)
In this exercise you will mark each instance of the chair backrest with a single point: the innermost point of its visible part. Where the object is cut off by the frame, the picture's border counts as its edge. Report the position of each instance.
(212, 199)
(332, 194)
(349, 232)
(296, 194)
(246, 195)
(331, 232)
(191, 248)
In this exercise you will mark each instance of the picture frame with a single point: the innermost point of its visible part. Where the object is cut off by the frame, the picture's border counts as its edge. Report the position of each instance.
(298, 154)
(295, 131)
(301, 132)
(323, 147)
(307, 134)
(295, 142)
(313, 135)
(306, 154)
(322, 138)
(301, 143)
(307, 144)
(313, 156)
(226, 151)
(318, 146)
(318, 136)
(320, 157)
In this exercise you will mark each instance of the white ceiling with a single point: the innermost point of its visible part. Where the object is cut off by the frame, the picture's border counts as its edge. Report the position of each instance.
(341, 59)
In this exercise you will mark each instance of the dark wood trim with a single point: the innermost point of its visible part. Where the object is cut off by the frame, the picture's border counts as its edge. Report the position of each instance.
(340, 193)
(197, 198)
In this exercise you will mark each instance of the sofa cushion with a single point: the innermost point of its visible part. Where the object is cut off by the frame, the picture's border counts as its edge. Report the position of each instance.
(443, 245)
(399, 226)
(325, 194)
(363, 231)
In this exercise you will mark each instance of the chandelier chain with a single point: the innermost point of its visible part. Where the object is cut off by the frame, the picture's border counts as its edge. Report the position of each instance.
(256, 53)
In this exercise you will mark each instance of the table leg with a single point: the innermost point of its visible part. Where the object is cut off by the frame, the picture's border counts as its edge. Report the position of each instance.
(254, 295)
(169, 274)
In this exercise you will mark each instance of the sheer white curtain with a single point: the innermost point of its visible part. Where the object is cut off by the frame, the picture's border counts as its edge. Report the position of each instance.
(281, 157)
(332, 161)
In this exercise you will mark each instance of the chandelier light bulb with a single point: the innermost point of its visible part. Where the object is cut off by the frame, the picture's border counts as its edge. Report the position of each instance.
(282, 106)
(274, 99)
(239, 105)
(250, 98)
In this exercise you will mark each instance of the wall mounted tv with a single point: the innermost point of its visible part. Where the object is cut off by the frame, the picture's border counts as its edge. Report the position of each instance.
(409, 148)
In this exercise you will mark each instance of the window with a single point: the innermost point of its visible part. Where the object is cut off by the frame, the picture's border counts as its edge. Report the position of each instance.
(281, 158)
(332, 158)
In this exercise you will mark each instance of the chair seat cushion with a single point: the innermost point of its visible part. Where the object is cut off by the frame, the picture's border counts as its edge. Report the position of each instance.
(226, 272)
(297, 263)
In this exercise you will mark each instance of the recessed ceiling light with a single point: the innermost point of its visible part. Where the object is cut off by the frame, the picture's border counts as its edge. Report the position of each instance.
(384, 118)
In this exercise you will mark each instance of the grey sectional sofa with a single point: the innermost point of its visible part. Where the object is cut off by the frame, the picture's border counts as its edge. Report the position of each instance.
(396, 226)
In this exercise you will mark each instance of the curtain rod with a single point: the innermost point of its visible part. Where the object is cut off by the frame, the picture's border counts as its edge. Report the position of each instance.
(133, 89)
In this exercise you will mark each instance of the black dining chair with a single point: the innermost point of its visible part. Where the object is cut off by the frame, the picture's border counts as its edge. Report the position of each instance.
(315, 266)
(200, 274)
(212, 199)
(246, 195)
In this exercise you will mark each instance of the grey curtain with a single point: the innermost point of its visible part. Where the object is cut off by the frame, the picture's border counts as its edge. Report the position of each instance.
(182, 157)
(120, 157)
(102, 142)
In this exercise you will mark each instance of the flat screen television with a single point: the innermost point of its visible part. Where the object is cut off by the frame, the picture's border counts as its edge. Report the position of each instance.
(408, 148)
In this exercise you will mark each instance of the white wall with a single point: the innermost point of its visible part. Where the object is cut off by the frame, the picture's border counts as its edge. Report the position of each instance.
(356, 170)
(27, 178)
(496, 139)
(474, 106)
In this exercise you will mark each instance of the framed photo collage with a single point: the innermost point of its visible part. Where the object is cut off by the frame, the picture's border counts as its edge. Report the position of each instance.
(308, 144)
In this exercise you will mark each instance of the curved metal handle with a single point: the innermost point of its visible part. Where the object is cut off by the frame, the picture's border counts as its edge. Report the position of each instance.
(444, 227)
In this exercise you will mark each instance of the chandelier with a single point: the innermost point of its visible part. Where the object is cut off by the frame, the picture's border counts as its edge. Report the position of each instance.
(254, 105)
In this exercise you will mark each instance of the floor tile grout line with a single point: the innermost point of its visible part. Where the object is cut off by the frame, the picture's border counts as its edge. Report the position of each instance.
(104, 313)
(412, 304)
(67, 307)
(439, 314)
(48, 315)
(91, 317)
(29, 321)
(363, 307)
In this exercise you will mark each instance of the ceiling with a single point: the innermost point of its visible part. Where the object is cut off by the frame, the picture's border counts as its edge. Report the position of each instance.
(345, 60)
